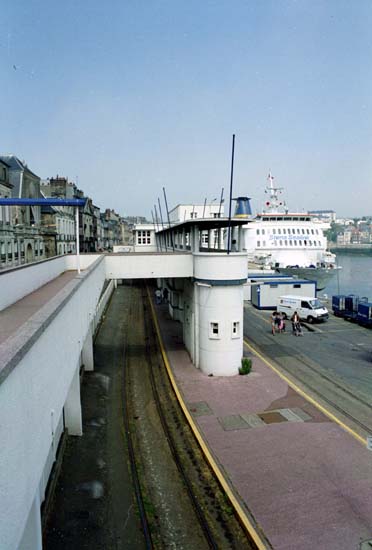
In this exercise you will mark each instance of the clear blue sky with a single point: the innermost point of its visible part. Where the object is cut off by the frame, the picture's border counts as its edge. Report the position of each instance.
(132, 95)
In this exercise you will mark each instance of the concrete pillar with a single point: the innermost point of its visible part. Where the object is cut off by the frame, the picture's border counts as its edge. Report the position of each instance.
(87, 351)
(13, 251)
(220, 239)
(19, 252)
(196, 326)
(241, 238)
(32, 537)
(196, 240)
(72, 408)
(6, 244)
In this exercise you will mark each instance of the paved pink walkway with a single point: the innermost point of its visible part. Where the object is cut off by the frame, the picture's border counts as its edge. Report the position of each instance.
(14, 316)
(307, 483)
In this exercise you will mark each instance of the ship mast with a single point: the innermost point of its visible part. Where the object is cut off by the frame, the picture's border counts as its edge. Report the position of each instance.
(274, 203)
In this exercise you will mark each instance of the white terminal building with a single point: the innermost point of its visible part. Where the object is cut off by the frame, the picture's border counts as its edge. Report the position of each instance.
(47, 341)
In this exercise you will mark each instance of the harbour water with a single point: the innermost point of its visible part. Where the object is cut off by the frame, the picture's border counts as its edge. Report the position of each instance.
(355, 277)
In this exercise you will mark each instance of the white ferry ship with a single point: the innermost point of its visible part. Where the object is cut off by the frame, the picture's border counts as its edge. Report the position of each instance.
(289, 243)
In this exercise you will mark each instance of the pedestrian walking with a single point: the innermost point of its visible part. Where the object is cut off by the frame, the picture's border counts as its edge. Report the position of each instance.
(273, 322)
(165, 294)
(277, 321)
(296, 325)
(281, 322)
(158, 296)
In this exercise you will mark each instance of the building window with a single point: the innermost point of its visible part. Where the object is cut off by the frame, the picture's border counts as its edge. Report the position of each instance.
(290, 243)
(280, 243)
(257, 231)
(263, 232)
(284, 231)
(279, 231)
(274, 285)
(297, 286)
(258, 243)
(235, 329)
(214, 330)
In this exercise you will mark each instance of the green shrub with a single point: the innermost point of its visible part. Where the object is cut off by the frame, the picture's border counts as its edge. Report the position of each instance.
(246, 366)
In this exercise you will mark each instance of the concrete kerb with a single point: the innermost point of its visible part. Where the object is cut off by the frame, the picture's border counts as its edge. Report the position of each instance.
(246, 519)
(16, 346)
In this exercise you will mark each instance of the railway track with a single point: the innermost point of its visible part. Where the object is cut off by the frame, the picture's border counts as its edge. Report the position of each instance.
(345, 400)
(327, 388)
(315, 390)
(181, 503)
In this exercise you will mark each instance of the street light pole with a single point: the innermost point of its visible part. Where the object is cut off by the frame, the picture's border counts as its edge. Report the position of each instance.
(77, 240)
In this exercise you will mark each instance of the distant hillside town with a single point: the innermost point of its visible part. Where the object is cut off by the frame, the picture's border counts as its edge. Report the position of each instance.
(31, 233)
(346, 232)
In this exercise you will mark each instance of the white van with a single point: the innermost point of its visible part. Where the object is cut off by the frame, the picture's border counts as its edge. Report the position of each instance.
(309, 309)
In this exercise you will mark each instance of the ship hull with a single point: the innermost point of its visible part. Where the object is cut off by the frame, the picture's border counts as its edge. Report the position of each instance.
(322, 275)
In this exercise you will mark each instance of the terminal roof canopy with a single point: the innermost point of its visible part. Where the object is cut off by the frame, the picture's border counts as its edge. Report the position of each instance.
(205, 224)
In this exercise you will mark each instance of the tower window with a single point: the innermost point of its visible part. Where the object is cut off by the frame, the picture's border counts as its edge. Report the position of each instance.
(214, 330)
(235, 329)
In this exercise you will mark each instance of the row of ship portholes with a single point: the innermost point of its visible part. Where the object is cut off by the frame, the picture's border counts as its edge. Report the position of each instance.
(288, 231)
(291, 242)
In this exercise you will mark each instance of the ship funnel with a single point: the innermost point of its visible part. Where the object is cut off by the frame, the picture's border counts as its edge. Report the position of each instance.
(243, 207)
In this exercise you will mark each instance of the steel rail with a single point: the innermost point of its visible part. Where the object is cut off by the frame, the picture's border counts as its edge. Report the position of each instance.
(132, 460)
(301, 359)
(204, 524)
(313, 389)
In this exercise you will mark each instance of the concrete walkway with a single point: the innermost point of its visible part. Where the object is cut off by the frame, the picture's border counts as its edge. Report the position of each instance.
(14, 316)
(307, 482)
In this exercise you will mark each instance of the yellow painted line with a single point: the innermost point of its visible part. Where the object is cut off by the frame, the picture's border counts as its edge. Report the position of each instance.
(246, 522)
(311, 400)
(268, 321)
